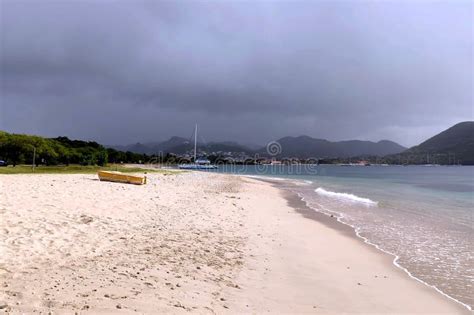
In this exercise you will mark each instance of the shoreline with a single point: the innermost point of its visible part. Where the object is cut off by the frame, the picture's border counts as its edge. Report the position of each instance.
(323, 261)
(298, 202)
(189, 242)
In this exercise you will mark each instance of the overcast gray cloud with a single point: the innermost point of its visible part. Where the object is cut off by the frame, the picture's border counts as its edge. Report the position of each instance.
(126, 71)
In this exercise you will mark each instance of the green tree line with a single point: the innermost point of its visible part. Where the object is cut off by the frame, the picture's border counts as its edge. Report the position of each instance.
(19, 149)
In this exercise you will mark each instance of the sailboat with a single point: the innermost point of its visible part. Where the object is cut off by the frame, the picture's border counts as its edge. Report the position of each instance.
(199, 164)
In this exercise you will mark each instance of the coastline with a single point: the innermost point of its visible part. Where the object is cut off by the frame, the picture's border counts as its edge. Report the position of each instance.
(331, 252)
(334, 220)
(208, 243)
(298, 202)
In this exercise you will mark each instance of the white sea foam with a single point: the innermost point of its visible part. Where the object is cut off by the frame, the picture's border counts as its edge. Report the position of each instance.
(297, 182)
(340, 218)
(264, 177)
(345, 197)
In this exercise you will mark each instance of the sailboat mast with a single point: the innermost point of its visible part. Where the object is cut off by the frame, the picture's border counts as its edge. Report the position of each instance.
(195, 142)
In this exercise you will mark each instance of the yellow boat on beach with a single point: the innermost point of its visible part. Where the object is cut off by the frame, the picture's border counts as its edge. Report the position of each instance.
(121, 178)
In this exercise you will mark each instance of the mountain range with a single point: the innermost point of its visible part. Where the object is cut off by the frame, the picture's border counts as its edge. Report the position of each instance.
(302, 147)
(452, 146)
(307, 147)
(180, 145)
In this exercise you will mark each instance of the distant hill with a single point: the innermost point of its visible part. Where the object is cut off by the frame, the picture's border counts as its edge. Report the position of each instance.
(307, 147)
(136, 148)
(361, 148)
(154, 147)
(180, 145)
(170, 144)
(452, 146)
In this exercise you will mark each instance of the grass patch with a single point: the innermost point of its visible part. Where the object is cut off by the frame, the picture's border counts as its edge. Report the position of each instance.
(77, 169)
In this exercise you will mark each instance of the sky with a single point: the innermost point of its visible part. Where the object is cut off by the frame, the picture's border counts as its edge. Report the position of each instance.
(121, 72)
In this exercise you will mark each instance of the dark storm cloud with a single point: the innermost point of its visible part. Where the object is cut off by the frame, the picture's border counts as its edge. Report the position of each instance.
(123, 71)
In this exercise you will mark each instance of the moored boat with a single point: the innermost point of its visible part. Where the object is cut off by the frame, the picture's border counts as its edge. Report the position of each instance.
(121, 178)
(199, 164)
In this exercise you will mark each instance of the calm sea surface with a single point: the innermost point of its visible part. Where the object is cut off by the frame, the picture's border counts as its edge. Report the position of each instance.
(421, 214)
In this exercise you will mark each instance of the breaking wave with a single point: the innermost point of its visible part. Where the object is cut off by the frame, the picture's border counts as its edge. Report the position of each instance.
(345, 197)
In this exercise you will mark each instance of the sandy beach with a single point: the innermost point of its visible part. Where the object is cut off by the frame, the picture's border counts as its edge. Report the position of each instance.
(188, 242)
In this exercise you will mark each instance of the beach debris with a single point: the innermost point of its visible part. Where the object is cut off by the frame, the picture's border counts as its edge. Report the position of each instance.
(178, 304)
(85, 219)
(118, 306)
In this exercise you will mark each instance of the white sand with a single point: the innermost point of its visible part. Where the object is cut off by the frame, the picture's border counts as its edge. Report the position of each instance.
(188, 242)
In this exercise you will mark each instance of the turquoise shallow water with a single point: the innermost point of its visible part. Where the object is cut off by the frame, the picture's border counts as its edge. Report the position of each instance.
(422, 215)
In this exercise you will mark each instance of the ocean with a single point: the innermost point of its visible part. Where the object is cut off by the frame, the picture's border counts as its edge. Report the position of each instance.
(422, 215)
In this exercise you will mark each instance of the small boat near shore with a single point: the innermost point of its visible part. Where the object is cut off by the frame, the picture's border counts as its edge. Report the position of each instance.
(119, 177)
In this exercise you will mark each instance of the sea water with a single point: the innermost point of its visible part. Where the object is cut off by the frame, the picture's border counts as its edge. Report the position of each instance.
(422, 215)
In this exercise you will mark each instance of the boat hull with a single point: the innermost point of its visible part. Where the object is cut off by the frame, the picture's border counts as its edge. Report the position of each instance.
(121, 178)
